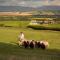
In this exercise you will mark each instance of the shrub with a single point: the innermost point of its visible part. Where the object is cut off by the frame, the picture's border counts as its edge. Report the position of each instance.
(43, 27)
(1, 25)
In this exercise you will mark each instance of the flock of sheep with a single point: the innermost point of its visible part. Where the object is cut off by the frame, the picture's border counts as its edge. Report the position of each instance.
(35, 44)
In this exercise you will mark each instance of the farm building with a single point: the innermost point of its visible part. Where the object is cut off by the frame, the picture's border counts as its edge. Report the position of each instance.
(35, 21)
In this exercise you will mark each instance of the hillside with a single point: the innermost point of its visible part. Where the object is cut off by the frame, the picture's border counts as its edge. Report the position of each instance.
(22, 9)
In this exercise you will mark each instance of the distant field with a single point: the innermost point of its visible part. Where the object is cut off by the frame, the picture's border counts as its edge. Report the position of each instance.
(55, 27)
(25, 24)
(21, 24)
(15, 14)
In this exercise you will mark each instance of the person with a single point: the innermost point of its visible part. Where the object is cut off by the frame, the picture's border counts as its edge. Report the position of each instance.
(21, 38)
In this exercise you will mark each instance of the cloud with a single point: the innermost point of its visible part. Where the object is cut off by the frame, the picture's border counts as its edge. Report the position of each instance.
(54, 2)
(29, 3)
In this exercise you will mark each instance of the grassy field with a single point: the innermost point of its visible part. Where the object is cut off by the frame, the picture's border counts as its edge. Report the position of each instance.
(55, 27)
(21, 24)
(9, 50)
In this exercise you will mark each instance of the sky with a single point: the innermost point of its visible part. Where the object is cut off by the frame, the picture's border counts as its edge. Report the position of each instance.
(29, 3)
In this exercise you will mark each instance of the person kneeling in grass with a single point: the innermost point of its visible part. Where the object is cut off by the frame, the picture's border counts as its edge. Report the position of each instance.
(21, 38)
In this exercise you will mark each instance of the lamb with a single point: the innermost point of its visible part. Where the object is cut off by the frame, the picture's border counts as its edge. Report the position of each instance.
(37, 44)
(44, 44)
(26, 44)
(32, 44)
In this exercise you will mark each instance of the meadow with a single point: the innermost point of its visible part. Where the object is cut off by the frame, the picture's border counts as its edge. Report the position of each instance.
(9, 50)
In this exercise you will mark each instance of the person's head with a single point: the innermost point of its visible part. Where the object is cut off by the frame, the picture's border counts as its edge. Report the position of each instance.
(21, 32)
(32, 40)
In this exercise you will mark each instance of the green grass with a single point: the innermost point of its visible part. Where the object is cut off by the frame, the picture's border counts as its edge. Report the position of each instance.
(55, 27)
(21, 24)
(9, 50)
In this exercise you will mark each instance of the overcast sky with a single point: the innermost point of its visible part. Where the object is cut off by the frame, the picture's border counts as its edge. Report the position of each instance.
(29, 3)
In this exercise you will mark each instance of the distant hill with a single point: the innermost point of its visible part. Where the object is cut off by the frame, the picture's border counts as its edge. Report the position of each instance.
(21, 8)
(49, 8)
(15, 8)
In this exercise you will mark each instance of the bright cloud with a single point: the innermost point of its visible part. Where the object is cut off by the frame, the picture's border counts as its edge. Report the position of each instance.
(29, 3)
(54, 2)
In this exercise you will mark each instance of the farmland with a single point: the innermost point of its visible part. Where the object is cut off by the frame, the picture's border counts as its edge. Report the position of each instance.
(11, 26)
(9, 50)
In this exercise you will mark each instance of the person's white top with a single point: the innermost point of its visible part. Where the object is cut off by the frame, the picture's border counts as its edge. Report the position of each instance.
(21, 36)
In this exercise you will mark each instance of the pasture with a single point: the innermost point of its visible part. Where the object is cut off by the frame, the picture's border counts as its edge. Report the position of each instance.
(9, 50)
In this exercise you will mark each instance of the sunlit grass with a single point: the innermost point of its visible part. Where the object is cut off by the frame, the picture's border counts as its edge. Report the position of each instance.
(9, 50)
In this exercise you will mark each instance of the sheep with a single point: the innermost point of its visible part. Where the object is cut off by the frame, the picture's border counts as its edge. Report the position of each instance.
(32, 44)
(36, 44)
(44, 44)
(26, 44)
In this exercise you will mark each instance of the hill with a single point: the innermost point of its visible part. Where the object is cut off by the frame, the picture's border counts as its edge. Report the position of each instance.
(21, 8)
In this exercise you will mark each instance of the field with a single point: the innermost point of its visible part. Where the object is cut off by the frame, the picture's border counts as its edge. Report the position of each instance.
(9, 50)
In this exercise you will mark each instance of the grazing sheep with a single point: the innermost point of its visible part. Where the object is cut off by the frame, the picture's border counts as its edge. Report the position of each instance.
(32, 44)
(44, 44)
(26, 44)
(37, 44)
